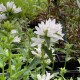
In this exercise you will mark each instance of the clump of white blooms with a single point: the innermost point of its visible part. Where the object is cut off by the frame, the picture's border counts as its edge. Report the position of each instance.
(78, 3)
(49, 29)
(47, 33)
(10, 7)
(46, 76)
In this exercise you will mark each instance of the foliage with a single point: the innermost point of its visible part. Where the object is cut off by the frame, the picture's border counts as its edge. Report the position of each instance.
(31, 55)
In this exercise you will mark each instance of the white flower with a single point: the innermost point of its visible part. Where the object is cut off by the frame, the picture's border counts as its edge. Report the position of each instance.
(46, 76)
(13, 31)
(47, 61)
(2, 8)
(41, 29)
(2, 17)
(37, 41)
(12, 6)
(50, 29)
(17, 39)
(78, 3)
(38, 52)
(17, 10)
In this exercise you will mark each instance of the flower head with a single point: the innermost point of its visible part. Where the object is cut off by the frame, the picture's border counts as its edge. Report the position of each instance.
(50, 29)
(16, 10)
(46, 76)
(2, 8)
(12, 6)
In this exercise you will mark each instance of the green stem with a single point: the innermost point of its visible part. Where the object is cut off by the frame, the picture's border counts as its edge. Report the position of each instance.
(29, 40)
(43, 64)
(65, 60)
(3, 70)
(52, 66)
(10, 69)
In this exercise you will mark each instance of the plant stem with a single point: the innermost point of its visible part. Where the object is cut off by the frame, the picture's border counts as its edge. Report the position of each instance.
(10, 69)
(43, 64)
(52, 66)
(65, 60)
(3, 69)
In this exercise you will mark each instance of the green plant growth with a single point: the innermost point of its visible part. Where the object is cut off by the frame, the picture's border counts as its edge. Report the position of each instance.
(31, 55)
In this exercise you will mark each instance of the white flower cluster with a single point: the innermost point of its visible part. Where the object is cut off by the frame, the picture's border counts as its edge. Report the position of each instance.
(46, 76)
(11, 7)
(49, 29)
(46, 30)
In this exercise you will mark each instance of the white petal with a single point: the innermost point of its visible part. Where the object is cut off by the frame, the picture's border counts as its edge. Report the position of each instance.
(43, 77)
(37, 41)
(10, 4)
(33, 52)
(17, 39)
(2, 8)
(39, 77)
(17, 10)
(2, 17)
(13, 31)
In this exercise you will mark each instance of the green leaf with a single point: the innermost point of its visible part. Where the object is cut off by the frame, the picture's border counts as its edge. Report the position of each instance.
(1, 63)
(47, 39)
(48, 52)
(34, 63)
(17, 74)
(2, 78)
